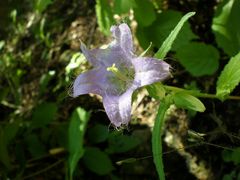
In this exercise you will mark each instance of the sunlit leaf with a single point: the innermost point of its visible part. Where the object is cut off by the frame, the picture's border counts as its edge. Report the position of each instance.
(41, 5)
(199, 59)
(187, 101)
(229, 77)
(76, 133)
(97, 161)
(104, 16)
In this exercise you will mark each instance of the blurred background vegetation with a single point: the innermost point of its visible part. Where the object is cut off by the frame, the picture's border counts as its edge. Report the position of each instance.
(46, 134)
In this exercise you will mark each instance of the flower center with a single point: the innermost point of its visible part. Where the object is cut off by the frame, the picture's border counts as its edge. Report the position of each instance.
(122, 77)
(117, 73)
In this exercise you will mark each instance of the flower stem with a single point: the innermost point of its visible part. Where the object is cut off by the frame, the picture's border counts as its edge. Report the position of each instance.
(198, 94)
(156, 138)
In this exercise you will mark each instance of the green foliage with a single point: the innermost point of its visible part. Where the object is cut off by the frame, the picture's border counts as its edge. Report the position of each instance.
(41, 5)
(123, 6)
(187, 101)
(44, 114)
(4, 156)
(161, 28)
(119, 143)
(76, 133)
(199, 59)
(229, 77)
(167, 44)
(97, 161)
(144, 12)
(35, 146)
(157, 138)
(104, 16)
(232, 156)
(45, 80)
(98, 133)
(226, 26)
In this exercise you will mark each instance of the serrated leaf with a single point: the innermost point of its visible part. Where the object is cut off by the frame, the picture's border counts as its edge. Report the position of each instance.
(44, 114)
(104, 16)
(167, 44)
(187, 101)
(97, 161)
(199, 59)
(144, 12)
(226, 26)
(229, 77)
(76, 133)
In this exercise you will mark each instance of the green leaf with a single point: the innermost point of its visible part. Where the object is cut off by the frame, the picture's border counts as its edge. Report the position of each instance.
(187, 101)
(123, 6)
(144, 12)
(226, 26)
(232, 156)
(156, 91)
(98, 133)
(76, 133)
(44, 114)
(229, 77)
(199, 59)
(104, 16)
(35, 146)
(4, 156)
(119, 143)
(157, 137)
(97, 161)
(10, 131)
(167, 44)
(41, 5)
(44, 80)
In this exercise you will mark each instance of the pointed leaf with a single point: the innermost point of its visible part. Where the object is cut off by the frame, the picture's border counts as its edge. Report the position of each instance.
(167, 44)
(187, 101)
(104, 16)
(229, 78)
(76, 132)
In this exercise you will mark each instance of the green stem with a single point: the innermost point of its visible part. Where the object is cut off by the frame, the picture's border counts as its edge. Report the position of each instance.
(157, 140)
(198, 94)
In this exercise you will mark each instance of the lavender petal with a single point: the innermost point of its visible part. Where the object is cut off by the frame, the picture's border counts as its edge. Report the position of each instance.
(149, 70)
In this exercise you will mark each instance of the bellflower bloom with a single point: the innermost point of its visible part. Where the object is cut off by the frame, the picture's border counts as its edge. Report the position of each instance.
(117, 73)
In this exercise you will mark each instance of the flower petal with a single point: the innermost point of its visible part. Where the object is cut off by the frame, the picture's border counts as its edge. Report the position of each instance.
(92, 81)
(118, 108)
(149, 70)
(123, 37)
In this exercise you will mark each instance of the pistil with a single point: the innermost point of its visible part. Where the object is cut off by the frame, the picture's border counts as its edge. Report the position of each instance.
(118, 73)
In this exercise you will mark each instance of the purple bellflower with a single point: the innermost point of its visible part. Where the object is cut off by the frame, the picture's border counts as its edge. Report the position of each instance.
(117, 73)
